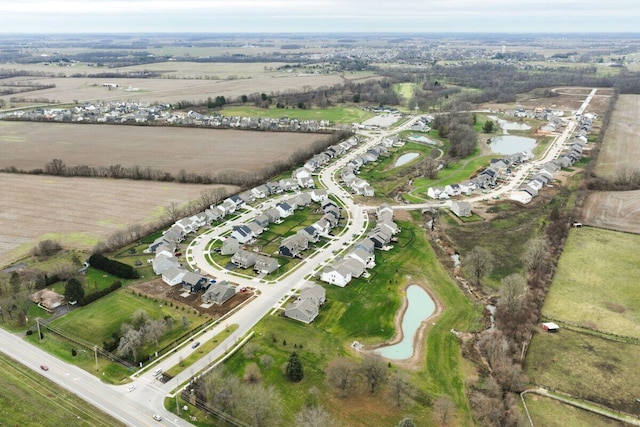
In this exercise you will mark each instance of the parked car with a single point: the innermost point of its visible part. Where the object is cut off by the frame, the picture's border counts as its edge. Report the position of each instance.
(157, 417)
(195, 344)
(44, 367)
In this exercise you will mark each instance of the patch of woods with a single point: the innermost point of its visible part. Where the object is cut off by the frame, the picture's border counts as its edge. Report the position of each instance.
(58, 167)
(226, 395)
(499, 352)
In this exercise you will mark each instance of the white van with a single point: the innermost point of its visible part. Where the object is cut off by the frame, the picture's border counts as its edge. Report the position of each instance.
(157, 372)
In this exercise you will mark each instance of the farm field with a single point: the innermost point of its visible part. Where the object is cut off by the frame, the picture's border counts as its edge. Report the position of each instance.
(168, 90)
(621, 146)
(595, 285)
(614, 210)
(26, 398)
(551, 413)
(587, 367)
(28, 145)
(79, 212)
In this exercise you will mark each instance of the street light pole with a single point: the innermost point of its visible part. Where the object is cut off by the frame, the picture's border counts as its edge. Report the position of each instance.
(95, 350)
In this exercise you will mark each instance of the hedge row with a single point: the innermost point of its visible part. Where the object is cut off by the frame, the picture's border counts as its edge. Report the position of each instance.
(87, 299)
(113, 267)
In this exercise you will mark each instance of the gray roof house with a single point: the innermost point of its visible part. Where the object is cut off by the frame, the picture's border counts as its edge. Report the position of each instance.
(244, 259)
(262, 220)
(265, 264)
(193, 282)
(310, 233)
(230, 246)
(460, 208)
(304, 311)
(293, 245)
(273, 214)
(219, 293)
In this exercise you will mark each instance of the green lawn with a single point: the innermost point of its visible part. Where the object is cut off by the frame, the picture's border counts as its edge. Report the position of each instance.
(596, 284)
(364, 311)
(343, 115)
(586, 366)
(27, 399)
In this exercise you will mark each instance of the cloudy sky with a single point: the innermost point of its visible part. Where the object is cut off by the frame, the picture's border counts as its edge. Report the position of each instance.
(556, 16)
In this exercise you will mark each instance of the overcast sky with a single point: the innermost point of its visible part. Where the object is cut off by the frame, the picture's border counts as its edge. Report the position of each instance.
(103, 16)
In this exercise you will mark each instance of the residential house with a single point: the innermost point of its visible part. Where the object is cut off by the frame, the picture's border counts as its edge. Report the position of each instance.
(302, 310)
(262, 220)
(193, 282)
(48, 299)
(338, 275)
(310, 233)
(230, 246)
(319, 195)
(265, 264)
(380, 238)
(214, 214)
(260, 192)
(323, 226)
(244, 259)
(219, 293)
(242, 233)
(293, 245)
(173, 276)
(162, 263)
(288, 184)
(255, 228)
(365, 257)
(284, 209)
(384, 211)
(273, 214)
(303, 199)
(461, 209)
(366, 244)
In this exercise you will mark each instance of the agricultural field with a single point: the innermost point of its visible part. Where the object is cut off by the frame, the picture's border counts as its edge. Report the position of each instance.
(548, 412)
(613, 210)
(595, 285)
(28, 145)
(341, 115)
(587, 367)
(78, 212)
(28, 399)
(621, 146)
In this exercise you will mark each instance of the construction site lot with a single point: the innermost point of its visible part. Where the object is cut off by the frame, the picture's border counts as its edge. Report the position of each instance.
(28, 145)
(159, 290)
(80, 212)
(613, 210)
(620, 149)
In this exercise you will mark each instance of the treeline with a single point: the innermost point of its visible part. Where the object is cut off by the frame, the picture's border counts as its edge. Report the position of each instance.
(458, 128)
(88, 299)
(58, 167)
(115, 268)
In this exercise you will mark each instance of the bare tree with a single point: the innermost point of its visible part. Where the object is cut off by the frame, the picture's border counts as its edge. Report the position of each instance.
(55, 167)
(442, 409)
(374, 371)
(154, 329)
(400, 387)
(172, 212)
(130, 342)
(479, 263)
(314, 416)
(222, 391)
(265, 408)
(252, 374)
(511, 292)
(536, 257)
(341, 374)
(211, 197)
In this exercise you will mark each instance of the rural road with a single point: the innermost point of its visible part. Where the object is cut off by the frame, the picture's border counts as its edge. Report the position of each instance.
(136, 408)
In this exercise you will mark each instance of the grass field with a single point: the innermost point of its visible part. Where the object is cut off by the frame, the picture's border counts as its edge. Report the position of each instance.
(364, 311)
(27, 399)
(596, 282)
(587, 367)
(342, 115)
(621, 146)
(548, 412)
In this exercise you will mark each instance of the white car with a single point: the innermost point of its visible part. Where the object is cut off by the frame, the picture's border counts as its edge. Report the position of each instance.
(131, 388)
(157, 417)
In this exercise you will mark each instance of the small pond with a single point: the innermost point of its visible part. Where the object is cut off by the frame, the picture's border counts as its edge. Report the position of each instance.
(405, 158)
(506, 125)
(511, 144)
(420, 307)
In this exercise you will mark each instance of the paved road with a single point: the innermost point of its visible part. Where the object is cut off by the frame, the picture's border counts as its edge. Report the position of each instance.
(137, 407)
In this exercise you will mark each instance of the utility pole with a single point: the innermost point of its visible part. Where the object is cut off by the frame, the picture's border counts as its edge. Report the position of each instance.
(95, 350)
(38, 323)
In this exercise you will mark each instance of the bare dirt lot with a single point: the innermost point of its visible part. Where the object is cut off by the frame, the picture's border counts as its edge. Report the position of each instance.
(78, 212)
(621, 145)
(158, 289)
(615, 210)
(29, 145)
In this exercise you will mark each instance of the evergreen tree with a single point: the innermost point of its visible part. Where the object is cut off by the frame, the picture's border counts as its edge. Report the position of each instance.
(73, 290)
(294, 368)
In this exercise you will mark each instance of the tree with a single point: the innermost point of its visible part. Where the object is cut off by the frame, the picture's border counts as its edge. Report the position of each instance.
(536, 257)
(511, 291)
(314, 416)
(341, 375)
(154, 329)
(222, 391)
(55, 167)
(442, 409)
(400, 387)
(46, 248)
(479, 263)
(130, 342)
(374, 371)
(73, 290)
(488, 126)
(294, 368)
(14, 281)
(406, 422)
(265, 408)
(172, 212)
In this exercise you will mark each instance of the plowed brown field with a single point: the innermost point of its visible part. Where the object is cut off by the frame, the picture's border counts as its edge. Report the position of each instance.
(614, 210)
